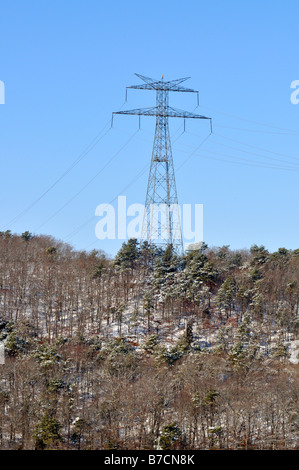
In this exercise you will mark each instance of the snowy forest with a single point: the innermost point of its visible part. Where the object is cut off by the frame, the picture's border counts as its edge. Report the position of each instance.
(147, 350)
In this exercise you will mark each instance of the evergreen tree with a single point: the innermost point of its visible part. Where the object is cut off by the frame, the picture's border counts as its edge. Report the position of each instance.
(169, 435)
(26, 236)
(47, 433)
(128, 255)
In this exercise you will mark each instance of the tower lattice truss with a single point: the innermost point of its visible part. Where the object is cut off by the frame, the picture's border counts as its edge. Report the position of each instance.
(162, 217)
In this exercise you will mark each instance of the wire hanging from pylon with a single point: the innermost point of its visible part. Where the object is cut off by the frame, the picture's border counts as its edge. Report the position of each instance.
(90, 181)
(83, 154)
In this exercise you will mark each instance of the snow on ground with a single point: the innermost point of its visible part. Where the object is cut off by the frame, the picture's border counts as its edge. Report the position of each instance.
(294, 351)
(1, 352)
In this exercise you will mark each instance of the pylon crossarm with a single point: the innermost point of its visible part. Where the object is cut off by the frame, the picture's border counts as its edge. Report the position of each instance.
(147, 80)
(172, 112)
(181, 89)
(157, 86)
(165, 112)
(143, 87)
(172, 85)
(141, 112)
(152, 80)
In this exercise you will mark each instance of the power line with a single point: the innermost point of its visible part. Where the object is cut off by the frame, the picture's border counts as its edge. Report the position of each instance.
(253, 153)
(83, 154)
(258, 131)
(91, 219)
(88, 149)
(251, 121)
(123, 190)
(90, 181)
(194, 151)
(255, 147)
(248, 152)
(241, 161)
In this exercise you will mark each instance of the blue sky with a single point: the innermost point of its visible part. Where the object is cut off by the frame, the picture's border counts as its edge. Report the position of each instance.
(65, 66)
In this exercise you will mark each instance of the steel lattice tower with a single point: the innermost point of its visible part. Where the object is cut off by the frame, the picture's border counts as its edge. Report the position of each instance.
(161, 224)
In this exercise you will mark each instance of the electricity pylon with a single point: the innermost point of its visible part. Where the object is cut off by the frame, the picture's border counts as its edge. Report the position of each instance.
(162, 218)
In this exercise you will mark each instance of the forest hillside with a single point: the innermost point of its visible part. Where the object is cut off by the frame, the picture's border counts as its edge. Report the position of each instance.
(148, 350)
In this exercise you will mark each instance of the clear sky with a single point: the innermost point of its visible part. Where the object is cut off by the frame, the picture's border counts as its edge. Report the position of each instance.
(65, 66)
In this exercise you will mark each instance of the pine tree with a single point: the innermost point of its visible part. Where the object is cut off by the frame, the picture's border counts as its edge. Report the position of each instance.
(47, 433)
(169, 435)
(128, 254)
